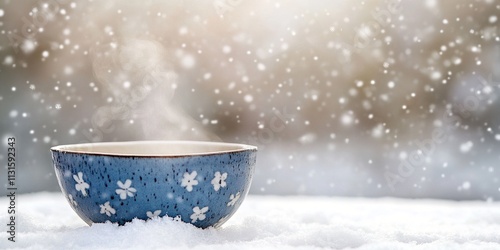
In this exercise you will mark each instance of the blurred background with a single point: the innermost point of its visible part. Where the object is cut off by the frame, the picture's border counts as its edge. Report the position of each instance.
(344, 98)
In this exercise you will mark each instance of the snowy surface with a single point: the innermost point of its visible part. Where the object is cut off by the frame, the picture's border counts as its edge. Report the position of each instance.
(45, 221)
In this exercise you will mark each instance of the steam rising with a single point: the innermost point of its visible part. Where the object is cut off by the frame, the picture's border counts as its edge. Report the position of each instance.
(139, 80)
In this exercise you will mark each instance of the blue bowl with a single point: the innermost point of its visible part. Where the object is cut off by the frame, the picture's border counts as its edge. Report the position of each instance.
(202, 183)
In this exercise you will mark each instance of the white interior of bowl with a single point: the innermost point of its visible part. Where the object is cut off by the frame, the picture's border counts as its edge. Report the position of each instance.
(154, 148)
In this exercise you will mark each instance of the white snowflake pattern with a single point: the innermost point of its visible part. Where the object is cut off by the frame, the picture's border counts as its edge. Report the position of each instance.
(198, 214)
(189, 181)
(233, 199)
(107, 209)
(154, 214)
(125, 189)
(72, 200)
(81, 185)
(219, 180)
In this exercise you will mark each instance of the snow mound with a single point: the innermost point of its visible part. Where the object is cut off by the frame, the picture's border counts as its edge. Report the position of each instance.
(46, 221)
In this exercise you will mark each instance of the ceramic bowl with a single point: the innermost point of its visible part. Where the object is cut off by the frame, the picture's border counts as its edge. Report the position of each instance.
(202, 183)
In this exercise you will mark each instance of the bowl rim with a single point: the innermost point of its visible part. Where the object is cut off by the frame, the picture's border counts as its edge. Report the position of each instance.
(66, 148)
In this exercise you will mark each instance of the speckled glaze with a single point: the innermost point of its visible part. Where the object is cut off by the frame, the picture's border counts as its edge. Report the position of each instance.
(202, 189)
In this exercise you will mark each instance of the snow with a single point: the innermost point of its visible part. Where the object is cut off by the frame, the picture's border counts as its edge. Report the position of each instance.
(248, 98)
(188, 61)
(13, 114)
(28, 46)
(466, 146)
(347, 119)
(46, 221)
(8, 60)
(492, 19)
